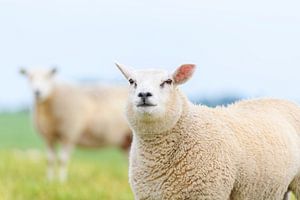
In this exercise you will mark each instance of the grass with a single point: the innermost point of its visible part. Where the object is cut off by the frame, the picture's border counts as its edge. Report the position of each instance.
(94, 174)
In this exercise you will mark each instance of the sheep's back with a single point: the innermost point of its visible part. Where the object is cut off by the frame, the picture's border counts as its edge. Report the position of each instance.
(268, 133)
(107, 120)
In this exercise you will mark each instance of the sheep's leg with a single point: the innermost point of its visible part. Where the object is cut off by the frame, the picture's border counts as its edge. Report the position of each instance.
(64, 157)
(287, 195)
(51, 159)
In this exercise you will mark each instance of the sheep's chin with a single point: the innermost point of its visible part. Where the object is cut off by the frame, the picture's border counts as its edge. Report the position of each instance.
(41, 99)
(148, 113)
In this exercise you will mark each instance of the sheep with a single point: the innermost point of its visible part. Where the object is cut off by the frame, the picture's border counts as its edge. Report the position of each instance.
(73, 115)
(248, 150)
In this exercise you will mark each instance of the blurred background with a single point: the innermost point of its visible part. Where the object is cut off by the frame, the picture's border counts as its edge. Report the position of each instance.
(242, 50)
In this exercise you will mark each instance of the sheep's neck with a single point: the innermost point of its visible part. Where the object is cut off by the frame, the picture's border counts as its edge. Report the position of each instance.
(43, 106)
(169, 140)
(167, 149)
(156, 134)
(43, 117)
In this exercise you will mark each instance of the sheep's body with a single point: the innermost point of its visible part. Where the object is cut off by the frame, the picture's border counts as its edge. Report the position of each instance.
(249, 150)
(85, 116)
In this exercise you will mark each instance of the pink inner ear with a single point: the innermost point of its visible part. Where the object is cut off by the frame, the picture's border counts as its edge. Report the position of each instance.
(184, 72)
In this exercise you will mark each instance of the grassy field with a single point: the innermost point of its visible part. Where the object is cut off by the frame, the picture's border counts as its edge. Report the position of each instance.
(94, 174)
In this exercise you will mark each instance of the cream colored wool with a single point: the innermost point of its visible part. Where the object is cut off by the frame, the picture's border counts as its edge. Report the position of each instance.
(81, 116)
(71, 115)
(247, 151)
(84, 116)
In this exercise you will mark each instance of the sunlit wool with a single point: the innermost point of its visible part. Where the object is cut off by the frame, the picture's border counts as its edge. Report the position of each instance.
(248, 150)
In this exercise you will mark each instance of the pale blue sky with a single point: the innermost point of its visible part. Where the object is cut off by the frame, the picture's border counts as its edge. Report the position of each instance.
(249, 47)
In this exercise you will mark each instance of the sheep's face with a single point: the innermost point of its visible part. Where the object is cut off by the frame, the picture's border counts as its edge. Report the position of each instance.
(150, 91)
(153, 93)
(41, 82)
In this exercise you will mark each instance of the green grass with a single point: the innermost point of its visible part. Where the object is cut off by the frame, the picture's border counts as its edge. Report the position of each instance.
(93, 174)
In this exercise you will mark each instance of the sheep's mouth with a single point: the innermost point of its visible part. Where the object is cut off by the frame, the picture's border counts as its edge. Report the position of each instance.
(146, 105)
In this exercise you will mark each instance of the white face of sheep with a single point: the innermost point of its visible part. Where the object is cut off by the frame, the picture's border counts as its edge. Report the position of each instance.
(40, 81)
(151, 91)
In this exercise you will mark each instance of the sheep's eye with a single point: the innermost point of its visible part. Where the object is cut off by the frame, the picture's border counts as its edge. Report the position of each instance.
(169, 82)
(132, 82)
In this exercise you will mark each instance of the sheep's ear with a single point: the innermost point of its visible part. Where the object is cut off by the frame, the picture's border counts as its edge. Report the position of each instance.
(23, 71)
(125, 71)
(183, 73)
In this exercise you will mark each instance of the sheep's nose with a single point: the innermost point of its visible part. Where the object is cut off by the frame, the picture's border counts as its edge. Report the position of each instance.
(145, 95)
(37, 93)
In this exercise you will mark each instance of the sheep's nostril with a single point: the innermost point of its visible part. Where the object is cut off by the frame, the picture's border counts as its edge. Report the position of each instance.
(37, 93)
(145, 95)
(148, 94)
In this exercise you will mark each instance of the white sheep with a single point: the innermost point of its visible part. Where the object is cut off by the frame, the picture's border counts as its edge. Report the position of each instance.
(247, 151)
(70, 115)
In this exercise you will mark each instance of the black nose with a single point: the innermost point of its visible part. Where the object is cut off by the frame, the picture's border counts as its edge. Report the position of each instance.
(144, 95)
(37, 93)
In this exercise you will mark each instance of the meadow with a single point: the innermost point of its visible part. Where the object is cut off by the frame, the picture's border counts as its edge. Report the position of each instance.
(93, 174)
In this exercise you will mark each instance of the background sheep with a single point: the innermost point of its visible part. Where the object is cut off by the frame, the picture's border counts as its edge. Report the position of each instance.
(249, 150)
(88, 116)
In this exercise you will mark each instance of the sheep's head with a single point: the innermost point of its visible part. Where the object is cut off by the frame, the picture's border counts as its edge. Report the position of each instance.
(153, 94)
(41, 82)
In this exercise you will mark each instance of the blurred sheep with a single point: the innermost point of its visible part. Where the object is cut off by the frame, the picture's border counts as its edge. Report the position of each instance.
(71, 115)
